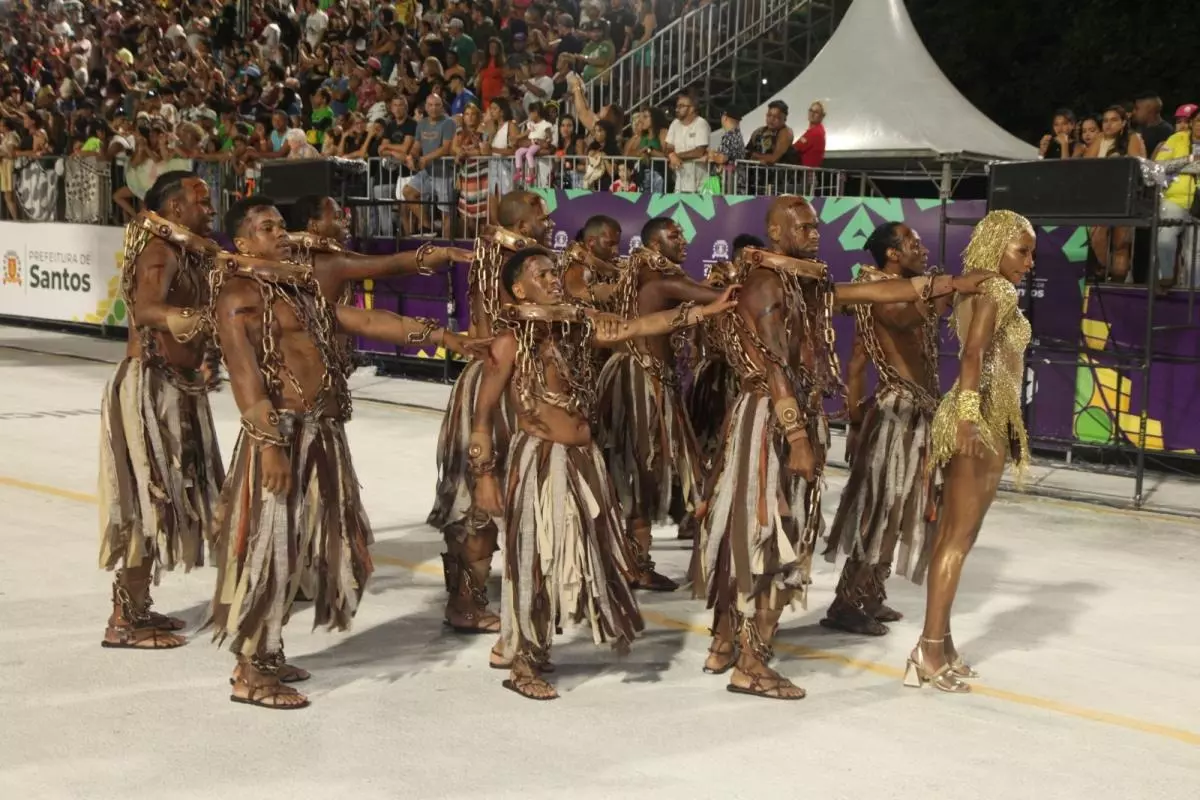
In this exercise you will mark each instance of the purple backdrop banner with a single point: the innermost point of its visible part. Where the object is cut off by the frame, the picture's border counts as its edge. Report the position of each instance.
(710, 223)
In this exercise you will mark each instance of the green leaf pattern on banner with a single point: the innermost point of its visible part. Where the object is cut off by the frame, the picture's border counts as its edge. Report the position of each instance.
(1076, 247)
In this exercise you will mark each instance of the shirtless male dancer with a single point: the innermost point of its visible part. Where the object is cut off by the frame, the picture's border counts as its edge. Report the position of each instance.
(714, 385)
(565, 553)
(470, 535)
(890, 498)
(645, 433)
(290, 504)
(591, 267)
(160, 466)
(763, 514)
(319, 235)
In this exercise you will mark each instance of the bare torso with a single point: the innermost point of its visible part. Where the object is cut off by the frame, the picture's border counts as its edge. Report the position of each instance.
(544, 419)
(303, 371)
(188, 289)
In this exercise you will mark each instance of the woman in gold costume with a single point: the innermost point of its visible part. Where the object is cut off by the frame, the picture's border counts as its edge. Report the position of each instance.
(977, 427)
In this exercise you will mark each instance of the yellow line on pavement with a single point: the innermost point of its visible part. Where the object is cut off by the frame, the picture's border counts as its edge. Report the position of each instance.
(53, 491)
(434, 570)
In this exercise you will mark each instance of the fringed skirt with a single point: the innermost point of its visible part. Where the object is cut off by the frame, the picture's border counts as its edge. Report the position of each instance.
(759, 531)
(564, 555)
(265, 543)
(160, 471)
(647, 441)
(890, 496)
(714, 389)
(454, 502)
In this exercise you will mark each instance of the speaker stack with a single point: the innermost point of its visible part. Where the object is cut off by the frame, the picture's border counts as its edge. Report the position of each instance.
(1074, 191)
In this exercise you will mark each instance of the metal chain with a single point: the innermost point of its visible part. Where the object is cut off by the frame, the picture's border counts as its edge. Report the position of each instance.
(889, 377)
(565, 345)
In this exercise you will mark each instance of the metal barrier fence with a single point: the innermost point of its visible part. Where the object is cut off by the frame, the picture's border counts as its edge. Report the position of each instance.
(89, 190)
(394, 200)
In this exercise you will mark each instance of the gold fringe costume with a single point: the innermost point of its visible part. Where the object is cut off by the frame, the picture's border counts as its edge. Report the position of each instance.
(644, 430)
(265, 544)
(160, 464)
(471, 536)
(564, 554)
(760, 528)
(890, 498)
(1001, 426)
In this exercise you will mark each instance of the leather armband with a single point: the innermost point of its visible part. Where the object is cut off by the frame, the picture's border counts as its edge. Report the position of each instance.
(480, 458)
(787, 411)
(261, 423)
(184, 324)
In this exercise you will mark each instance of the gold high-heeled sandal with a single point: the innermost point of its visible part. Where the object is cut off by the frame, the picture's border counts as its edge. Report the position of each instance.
(917, 675)
(959, 667)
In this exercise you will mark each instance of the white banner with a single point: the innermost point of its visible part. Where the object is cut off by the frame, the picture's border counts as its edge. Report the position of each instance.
(61, 272)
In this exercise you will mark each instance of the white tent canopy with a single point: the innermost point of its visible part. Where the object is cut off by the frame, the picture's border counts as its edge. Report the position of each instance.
(886, 99)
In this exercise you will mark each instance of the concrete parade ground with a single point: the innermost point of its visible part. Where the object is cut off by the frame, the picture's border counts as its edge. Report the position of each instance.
(1082, 621)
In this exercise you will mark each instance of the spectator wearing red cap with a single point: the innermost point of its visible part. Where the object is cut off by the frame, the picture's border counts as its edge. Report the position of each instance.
(1183, 116)
(1148, 121)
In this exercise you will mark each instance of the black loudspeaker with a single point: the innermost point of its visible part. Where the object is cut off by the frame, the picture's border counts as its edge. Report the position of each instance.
(1073, 191)
(286, 181)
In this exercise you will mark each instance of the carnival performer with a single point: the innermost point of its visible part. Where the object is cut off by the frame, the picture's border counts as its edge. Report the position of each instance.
(592, 271)
(160, 466)
(319, 236)
(977, 427)
(645, 433)
(471, 536)
(564, 554)
(714, 386)
(291, 501)
(890, 498)
(763, 513)
(591, 267)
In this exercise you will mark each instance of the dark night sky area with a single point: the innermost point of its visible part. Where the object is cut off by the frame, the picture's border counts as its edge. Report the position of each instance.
(1019, 60)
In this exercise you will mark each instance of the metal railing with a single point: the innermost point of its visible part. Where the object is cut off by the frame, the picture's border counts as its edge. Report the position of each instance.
(83, 189)
(453, 198)
(685, 52)
(392, 200)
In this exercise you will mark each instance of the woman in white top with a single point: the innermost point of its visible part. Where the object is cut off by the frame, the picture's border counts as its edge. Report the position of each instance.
(498, 122)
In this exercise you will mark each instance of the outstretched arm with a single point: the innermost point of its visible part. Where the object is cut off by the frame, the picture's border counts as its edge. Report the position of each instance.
(238, 305)
(922, 288)
(677, 289)
(480, 457)
(425, 260)
(385, 326)
(611, 329)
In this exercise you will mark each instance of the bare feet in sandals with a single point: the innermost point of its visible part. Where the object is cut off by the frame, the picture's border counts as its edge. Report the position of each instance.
(472, 621)
(497, 660)
(254, 688)
(722, 655)
(757, 679)
(165, 623)
(121, 635)
(525, 680)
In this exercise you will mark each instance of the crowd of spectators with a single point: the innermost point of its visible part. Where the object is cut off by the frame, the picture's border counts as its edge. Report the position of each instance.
(140, 87)
(1138, 129)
